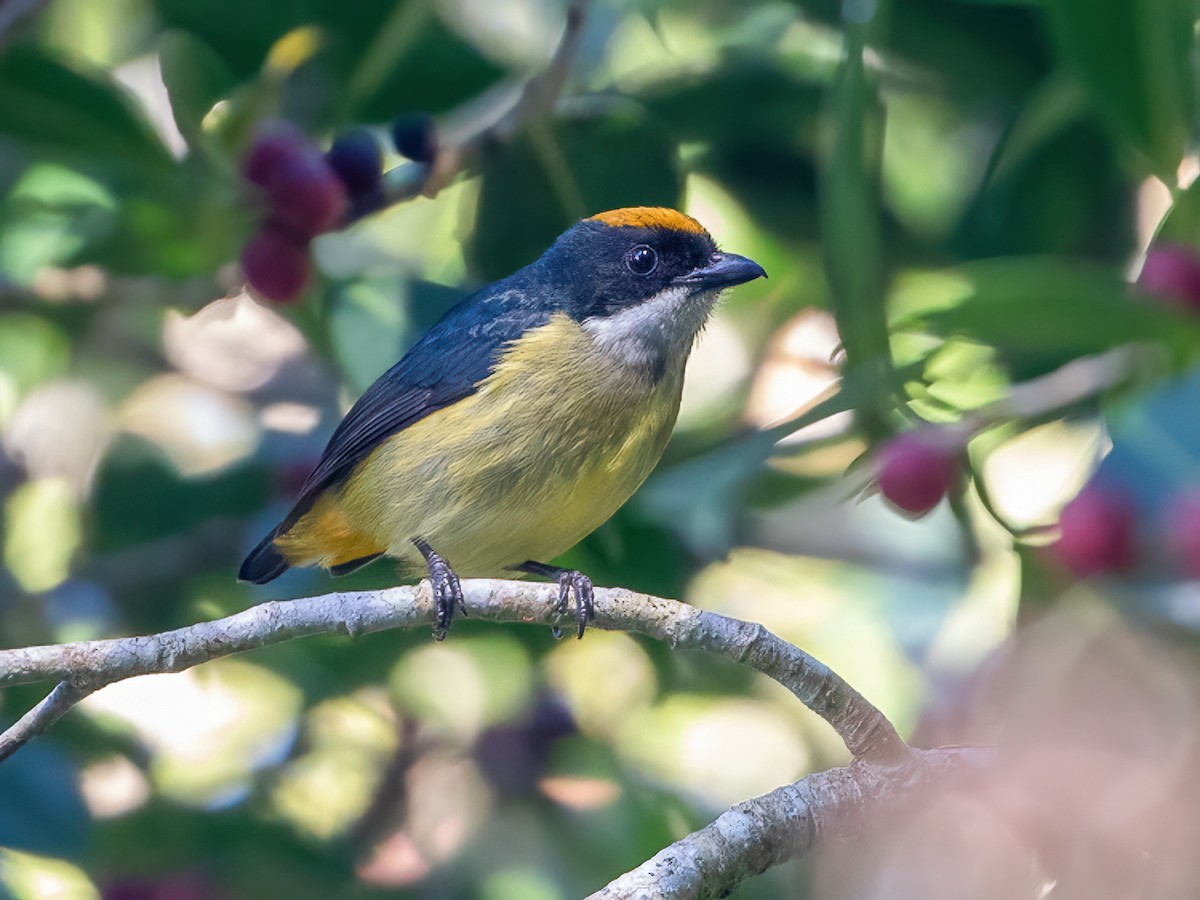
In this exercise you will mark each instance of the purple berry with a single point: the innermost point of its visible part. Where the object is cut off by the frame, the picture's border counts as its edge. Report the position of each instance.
(1172, 271)
(916, 470)
(1182, 535)
(276, 265)
(1096, 532)
(306, 196)
(356, 159)
(276, 144)
(415, 137)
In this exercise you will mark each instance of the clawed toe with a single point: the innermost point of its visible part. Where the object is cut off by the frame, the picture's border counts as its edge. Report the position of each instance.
(447, 590)
(585, 604)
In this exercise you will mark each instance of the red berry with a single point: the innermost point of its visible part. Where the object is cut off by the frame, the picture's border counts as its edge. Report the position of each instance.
(276, 144)
(306, 196)
(276, 265)
(1096, 532)
(1182, 535)
(1172, 271)
(916, 470)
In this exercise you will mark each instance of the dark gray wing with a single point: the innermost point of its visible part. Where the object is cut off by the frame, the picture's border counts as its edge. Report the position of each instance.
(446, 365)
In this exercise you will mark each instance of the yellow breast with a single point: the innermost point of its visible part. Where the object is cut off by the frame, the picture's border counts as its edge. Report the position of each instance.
(555, 440)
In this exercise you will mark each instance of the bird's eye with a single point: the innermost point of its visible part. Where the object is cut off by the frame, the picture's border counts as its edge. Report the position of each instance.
(641, 260)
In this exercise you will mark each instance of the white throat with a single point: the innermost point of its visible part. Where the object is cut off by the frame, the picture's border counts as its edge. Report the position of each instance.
(656, 335)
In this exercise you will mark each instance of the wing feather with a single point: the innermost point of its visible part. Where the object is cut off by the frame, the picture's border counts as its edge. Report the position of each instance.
(446, 365)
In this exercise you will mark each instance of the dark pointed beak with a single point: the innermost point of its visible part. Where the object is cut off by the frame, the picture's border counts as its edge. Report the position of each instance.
(724, 270)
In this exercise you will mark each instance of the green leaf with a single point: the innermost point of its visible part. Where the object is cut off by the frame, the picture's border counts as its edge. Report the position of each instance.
(1054, 310)
(850, 215)
(699, 499)
(1135, 58)
(1181, 224)
(558, 172)
(64, 111)
(761, 152)
(195, 78)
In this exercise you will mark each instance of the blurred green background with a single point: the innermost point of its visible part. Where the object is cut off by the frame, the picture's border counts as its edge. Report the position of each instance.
(949, 197)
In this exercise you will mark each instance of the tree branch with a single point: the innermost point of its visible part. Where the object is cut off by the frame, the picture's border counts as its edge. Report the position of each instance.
(89, 665)
(742, 842)
(538, 95)
(784, 824)
(53, 707)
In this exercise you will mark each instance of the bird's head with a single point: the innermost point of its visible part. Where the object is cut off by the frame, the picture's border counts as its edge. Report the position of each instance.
(642, 281)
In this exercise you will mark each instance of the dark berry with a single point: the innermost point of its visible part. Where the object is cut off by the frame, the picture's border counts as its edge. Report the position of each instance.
(551, 720)
(1172, 271)
(276, 144)
(306, 196)
(1181, 535)
(916, 470)
(415, 137)
(509, 760)
(365, 204)
(1096, 532)
(356, 159)
(276, 264)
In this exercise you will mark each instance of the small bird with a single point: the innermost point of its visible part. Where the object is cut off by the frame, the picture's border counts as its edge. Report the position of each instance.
(521, 421)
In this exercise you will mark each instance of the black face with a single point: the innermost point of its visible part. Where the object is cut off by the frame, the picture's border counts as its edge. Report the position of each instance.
(600, 269)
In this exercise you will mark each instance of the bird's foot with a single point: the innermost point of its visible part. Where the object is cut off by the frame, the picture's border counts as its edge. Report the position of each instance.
(570, 582)
(447, 589)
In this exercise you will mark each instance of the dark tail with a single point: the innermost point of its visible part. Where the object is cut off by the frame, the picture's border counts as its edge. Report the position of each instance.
(264, 563)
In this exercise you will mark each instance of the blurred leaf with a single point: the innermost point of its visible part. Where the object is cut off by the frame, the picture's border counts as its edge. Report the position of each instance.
(182, 231)
(32, 350)
(1055, 190)
(64, 111)
(700, 107)
(195, 78)
(139, 497)
(573, 167)
(240, 33)
(701, 499)
(41, 809)
(1047, 311)
(760, 152)
(850, 215)
(1135, 57)
(366, 326)
(432, 70)
(1181, 224)
(373, 322)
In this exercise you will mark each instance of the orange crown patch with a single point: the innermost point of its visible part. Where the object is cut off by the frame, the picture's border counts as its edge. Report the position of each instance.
(649, 217)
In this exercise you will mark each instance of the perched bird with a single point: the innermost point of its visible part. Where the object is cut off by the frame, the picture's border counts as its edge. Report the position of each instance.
(522, 420)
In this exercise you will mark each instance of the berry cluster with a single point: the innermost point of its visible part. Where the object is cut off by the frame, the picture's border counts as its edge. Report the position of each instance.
(307, 194)
(1101, 531)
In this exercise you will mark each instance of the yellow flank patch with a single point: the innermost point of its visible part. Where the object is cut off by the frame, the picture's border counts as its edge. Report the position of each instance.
(649, 217)
(324, 535)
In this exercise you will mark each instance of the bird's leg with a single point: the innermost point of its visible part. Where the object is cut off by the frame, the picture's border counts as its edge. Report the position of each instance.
(569, 580)
(447, 591)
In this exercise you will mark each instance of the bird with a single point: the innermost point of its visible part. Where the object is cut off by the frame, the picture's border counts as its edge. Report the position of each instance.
(519, 422)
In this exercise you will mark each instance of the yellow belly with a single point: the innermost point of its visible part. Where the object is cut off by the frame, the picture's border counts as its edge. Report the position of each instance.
(549, 447)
